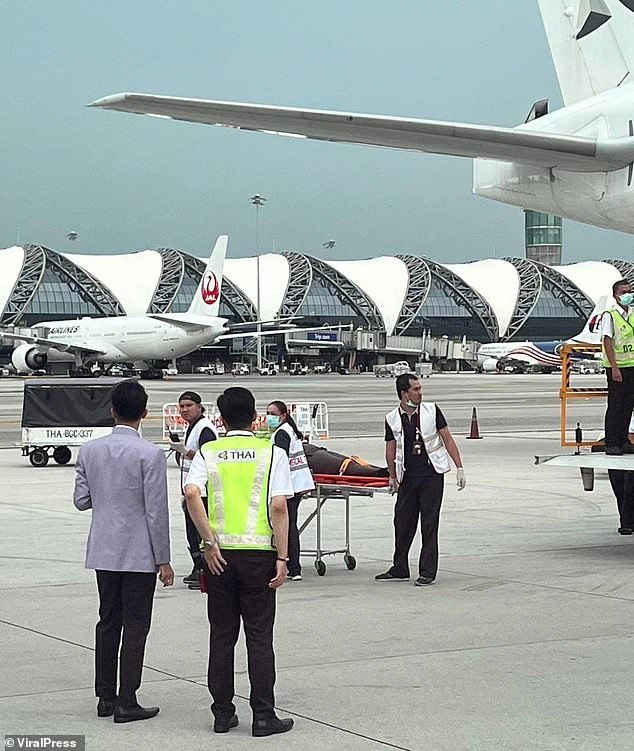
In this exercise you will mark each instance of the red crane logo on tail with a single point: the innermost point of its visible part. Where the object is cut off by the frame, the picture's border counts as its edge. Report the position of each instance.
(210, 288)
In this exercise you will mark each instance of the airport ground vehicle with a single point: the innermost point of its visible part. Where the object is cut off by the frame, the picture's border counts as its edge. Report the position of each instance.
(394, 370)
(269, 368)
(298, 369)
(240, 368)
(60, 413)
(217, 368)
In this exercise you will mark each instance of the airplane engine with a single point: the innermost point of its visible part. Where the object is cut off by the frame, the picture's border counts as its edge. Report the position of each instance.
(489, 365)
(27, 358)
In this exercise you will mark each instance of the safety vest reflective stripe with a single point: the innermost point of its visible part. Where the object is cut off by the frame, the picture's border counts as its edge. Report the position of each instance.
(623, 340)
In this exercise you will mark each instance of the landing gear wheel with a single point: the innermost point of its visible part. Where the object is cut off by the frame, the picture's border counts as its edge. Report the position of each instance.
(320, 567)
(38, 457)
(350, 561)
(62, 454)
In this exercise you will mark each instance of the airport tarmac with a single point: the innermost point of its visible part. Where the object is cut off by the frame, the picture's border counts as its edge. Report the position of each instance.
(524, 642)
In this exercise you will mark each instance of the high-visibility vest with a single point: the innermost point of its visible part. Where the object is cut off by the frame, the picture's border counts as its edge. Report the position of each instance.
(623, 339)
(239, 469)
(435, 448)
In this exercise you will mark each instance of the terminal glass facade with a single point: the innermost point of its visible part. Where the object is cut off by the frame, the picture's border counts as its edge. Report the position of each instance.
(551, 319)
(323, 305)
(445, 314)
(55, 298)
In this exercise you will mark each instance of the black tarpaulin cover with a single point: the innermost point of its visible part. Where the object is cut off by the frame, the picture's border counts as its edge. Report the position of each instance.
(76, 402)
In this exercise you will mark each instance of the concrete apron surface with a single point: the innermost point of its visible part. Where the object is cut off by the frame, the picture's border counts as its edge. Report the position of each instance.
(524, 641)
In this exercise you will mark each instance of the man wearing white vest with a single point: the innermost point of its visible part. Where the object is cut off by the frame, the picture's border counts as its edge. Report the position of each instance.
(418, 446)
(200, 430)
(244, 542)
(617, 335)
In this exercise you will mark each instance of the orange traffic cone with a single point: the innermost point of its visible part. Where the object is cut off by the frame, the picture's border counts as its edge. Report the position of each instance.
(474, 432)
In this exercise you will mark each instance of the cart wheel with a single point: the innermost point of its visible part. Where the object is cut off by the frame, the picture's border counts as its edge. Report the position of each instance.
(320, 567)
(38, 457)
(350, 561)
(62, 454)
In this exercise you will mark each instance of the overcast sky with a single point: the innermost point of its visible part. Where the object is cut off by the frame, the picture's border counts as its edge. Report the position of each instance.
(125, 182)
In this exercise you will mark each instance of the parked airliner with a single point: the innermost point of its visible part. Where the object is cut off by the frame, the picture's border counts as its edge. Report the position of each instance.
(545, 356)
(141, 340)
(577, 162)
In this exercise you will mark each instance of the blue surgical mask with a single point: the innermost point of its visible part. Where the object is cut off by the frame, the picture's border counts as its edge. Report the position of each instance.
(626, 299)
(273, 421)
(411, 404)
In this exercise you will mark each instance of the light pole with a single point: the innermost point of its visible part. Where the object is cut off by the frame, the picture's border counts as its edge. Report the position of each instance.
(257, 200)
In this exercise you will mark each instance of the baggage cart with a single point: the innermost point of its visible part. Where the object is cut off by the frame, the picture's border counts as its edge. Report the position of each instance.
(58, 413)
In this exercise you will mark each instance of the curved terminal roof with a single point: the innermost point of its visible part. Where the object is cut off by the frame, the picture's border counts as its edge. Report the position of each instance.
(388, 290)
(11, 260)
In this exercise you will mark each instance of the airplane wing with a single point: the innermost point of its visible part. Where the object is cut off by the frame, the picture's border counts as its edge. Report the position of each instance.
(50, 344)
(523, 144)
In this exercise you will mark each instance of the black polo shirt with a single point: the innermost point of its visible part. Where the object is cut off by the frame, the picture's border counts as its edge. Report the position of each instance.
(416, 465)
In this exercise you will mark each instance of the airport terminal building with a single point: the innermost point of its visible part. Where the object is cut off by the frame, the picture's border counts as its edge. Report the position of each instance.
(403, 298)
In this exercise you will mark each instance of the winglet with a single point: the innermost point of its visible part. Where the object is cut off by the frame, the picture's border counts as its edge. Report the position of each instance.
(591, 333)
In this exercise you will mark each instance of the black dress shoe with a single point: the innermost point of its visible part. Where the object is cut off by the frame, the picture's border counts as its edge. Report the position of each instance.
(132, 714)
(613, 451)
(628, 448)
(273, 726)
(223, 725)
(625, 530)
(106, 707)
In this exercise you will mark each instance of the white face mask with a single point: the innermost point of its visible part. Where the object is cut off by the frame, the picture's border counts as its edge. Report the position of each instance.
(411, 404)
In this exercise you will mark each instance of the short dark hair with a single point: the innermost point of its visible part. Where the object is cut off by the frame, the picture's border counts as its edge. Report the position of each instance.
(403, 382)
(129, 400)
(237, 407)
(620, 283)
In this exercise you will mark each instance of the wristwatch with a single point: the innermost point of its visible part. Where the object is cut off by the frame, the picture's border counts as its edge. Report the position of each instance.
(208, 544)
(284, 560)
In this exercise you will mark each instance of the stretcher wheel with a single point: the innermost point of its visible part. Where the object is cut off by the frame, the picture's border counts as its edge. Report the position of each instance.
(350, 561)
(320, 567)
(62, 454)
(38, 458)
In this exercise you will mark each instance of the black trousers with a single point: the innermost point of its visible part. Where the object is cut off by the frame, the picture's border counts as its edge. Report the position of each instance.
(620, 406)
(417, 497)
(193, 538)
(125, 614)
(622, 483)
(242, 592)
(294, 565)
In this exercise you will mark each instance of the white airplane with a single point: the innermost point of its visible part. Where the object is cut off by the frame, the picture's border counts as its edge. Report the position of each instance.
(576, 162)
(136, 339)
(539, 355)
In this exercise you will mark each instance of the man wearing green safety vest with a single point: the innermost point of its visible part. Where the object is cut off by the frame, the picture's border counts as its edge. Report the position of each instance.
(617, 334)
(244, 544)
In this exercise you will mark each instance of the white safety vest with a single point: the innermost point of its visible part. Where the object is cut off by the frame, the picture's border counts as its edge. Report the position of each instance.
(192, 442)
(436, 451)
(301, 476)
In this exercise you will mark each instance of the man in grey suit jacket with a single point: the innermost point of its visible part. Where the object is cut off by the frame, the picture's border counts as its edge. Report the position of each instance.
(123, 479)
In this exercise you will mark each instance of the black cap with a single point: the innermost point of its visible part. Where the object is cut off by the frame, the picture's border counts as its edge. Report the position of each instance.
(192, 396)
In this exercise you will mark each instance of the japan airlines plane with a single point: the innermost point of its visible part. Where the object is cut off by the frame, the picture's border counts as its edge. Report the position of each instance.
(576, 162)
(136, 339)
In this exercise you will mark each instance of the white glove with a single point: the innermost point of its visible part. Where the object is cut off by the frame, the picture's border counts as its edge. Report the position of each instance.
(393, 485)
(179, 447)
(461, 480)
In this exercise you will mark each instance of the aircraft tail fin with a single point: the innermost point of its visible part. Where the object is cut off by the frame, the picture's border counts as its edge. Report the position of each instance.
(591, 333)
(206, 300)
(591, 43)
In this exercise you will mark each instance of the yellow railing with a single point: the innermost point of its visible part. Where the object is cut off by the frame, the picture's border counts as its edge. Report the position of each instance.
(567, 392)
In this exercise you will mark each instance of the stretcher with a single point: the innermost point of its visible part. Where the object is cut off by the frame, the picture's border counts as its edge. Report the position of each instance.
(340, 487)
